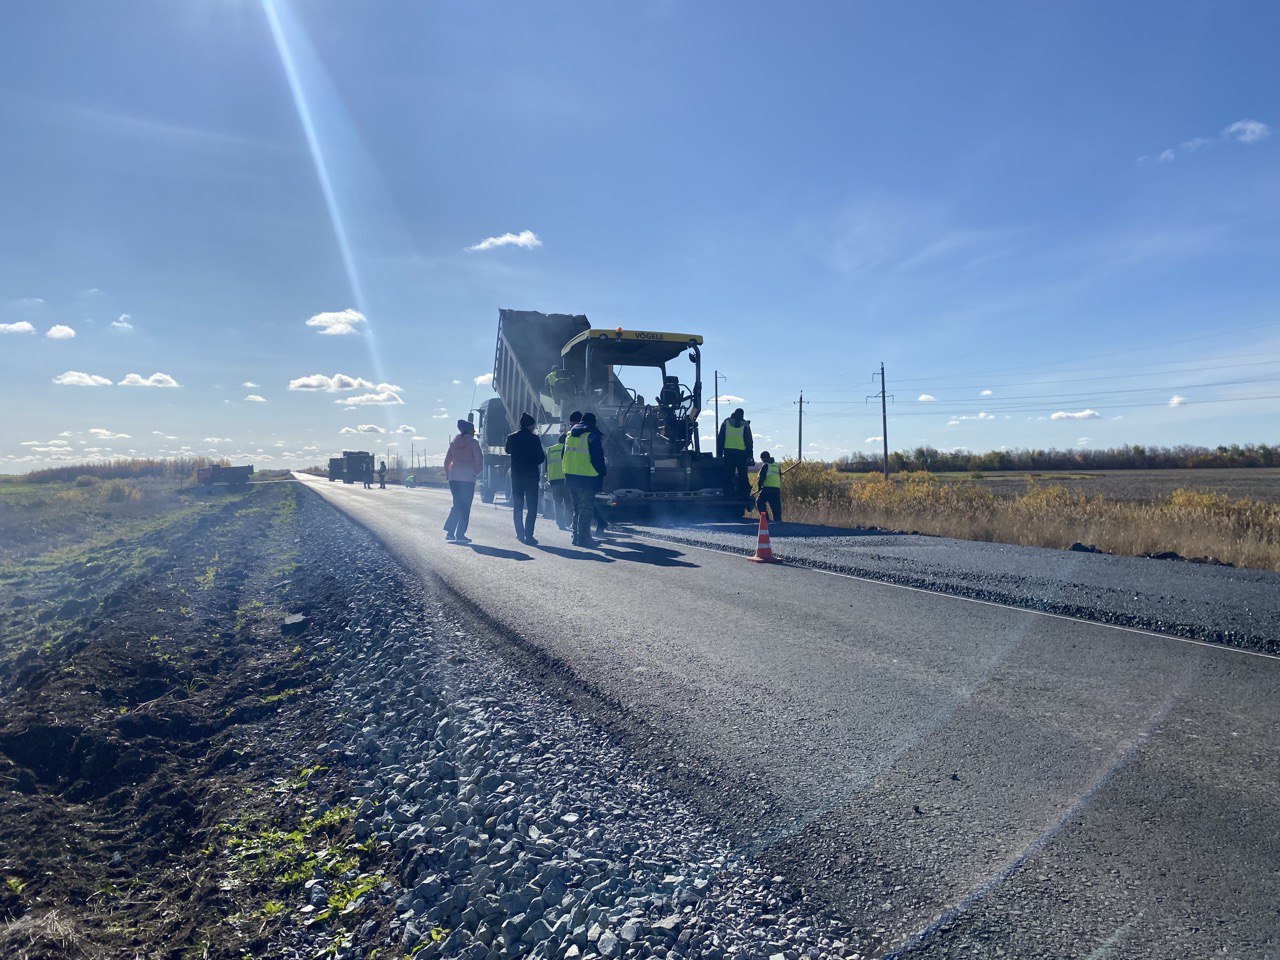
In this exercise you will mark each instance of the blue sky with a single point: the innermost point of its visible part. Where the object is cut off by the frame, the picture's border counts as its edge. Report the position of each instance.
(1075, 207)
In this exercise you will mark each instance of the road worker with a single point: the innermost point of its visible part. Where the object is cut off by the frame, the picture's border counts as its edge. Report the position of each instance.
(584, 472)
(734, 445)
(769, 487)
(561, 507)
(382, 475)
(527, 455)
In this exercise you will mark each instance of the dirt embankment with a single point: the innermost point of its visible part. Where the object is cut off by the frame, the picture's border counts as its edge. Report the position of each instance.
(156, 716)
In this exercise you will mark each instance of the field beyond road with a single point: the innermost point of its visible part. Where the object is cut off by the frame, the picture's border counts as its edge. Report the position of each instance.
(1048, 510)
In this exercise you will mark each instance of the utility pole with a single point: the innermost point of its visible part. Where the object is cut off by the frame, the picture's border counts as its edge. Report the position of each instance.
(800, 433)
(884, 417)
(717, 403)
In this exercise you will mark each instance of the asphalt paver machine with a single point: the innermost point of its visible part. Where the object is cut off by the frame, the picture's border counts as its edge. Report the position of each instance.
(548, 365)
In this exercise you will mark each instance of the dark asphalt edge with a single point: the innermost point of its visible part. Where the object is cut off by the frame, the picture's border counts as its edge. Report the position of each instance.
(1253, 643)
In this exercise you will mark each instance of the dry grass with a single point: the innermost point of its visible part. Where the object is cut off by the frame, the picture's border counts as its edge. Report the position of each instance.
(1192, 523)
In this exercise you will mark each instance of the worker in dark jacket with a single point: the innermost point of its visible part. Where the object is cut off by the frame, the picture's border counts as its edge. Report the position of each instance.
(527, 455)
(734, 445)
(584, 473)
(382, 475)
(769, 486)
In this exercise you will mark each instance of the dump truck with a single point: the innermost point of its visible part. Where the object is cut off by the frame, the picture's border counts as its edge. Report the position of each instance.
(491, 424)
(548, 365)
(357, 466)
(217, 473)
(336, 467)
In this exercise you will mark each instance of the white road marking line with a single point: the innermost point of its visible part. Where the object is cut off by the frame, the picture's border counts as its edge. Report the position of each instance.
(987, 603)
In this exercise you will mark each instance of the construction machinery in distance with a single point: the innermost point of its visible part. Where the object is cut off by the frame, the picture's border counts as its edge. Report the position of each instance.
(354, 466)
(234, 477)
(548, 365)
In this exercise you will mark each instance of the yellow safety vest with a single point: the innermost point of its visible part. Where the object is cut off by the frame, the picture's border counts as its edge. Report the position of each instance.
(772, 476)
(735, 437)
(577, 456)
(555, 462)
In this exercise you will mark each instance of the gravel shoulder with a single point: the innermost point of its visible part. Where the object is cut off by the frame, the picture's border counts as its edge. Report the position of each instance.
(1215, 604)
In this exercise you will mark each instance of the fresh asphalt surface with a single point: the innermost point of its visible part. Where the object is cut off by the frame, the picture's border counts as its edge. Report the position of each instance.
(955, 779)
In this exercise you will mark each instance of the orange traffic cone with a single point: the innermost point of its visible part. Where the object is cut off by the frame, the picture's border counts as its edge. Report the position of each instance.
(764, 552)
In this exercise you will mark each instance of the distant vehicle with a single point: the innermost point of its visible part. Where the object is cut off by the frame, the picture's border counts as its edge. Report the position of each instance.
(335, 468)
(547, 365)
(357, 466)
(231, 476)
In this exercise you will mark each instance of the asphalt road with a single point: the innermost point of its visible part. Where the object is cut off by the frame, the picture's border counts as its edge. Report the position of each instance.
(954, 778)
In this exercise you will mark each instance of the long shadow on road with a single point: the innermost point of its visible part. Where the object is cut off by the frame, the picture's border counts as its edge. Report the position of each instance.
(574, 554)
(499, 553)
(638, 552)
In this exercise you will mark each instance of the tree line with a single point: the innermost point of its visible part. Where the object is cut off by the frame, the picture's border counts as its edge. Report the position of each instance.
(1128, 457)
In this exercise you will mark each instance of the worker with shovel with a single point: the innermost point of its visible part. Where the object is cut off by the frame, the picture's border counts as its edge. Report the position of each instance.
(769, 486)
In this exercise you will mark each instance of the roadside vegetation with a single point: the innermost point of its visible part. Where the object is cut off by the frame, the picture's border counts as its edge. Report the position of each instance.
(1193, 524)
(1127, 457)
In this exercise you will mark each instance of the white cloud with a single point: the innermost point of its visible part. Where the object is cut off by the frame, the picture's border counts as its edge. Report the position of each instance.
(155, 380)
(216, 440)
(953, 423)
(104, 434)
(382, 398)
(1177, 401)
(347, 430)
(727, 398)
(338, 383)
(20, 327)
(1246, 131)
(31, 302)
(439, 416)
(250, 384)
(405, 428)
(369, 428)
(124, 322)
(1082, 442)
(873, 440)
(74, 378)
(525, 238)
(60, 331)
(984, 393)
(455, 382)
(484, 379)
(337, 323)
(927, 398)
(983, 415)
(1076, 415)
(1242, 131)
(254, 398)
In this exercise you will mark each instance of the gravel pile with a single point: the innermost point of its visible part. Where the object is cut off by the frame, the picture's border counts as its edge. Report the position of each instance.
(520, 828)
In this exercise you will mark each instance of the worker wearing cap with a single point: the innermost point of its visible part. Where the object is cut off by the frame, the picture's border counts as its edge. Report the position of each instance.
(560, 502)
(584, 472)
(769, 486)
(734, 446)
